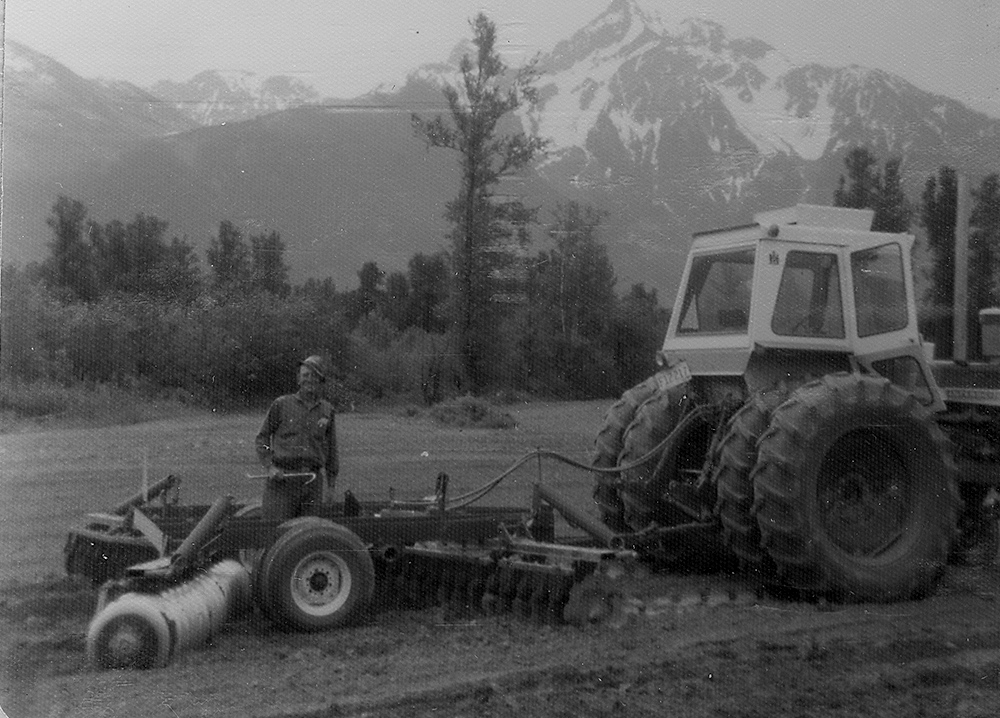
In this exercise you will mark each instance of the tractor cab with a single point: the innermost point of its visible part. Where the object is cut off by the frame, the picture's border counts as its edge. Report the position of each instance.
(802, 292)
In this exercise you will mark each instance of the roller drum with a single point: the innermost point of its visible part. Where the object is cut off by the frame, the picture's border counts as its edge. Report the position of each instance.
(138, 630)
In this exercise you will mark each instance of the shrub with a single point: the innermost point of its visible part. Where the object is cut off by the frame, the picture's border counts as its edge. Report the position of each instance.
(472, 412)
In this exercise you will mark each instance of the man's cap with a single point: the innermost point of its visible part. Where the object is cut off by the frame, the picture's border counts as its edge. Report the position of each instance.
(316, 366)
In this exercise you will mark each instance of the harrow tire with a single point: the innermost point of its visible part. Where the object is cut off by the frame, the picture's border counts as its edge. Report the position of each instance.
(855, 491)
(608, 446)
(317, 575)
(253, 559)
(737, 455)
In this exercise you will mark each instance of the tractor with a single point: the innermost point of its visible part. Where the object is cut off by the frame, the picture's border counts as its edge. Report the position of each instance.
(797, 420)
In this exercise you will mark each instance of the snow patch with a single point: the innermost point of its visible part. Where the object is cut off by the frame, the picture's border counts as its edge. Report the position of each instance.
(768, 124)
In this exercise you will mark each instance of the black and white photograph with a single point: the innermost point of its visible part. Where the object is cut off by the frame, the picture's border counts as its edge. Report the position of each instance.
(501, 359)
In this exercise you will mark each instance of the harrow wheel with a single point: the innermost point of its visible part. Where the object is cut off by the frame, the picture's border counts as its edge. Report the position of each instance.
(317, 575)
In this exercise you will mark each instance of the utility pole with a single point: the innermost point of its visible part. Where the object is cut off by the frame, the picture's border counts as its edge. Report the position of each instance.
(960, 323)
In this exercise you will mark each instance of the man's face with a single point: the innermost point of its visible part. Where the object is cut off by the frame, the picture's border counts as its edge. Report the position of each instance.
(309, 383)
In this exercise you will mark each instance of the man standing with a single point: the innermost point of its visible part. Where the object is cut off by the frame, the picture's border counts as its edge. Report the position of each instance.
(299, 436)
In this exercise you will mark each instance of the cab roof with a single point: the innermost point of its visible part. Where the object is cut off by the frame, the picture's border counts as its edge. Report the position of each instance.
(837, 225)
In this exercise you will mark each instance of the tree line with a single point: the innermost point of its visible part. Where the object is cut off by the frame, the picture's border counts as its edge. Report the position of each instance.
(869, 185)
(120, 303)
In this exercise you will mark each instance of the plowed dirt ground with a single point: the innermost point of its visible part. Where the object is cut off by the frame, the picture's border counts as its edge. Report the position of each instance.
(684, 645)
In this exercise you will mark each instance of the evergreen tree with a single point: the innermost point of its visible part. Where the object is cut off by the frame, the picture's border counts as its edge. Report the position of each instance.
(481, 220)
(581, 276)
(428, 278)
(867, 187)
(893, 212)
(268, 270)
(227, 255)
(984, 251)
(859, 189)
(70, 267)
(369, 295)
(178, 274)
(937, 215)
(639, 326)
(397, 300)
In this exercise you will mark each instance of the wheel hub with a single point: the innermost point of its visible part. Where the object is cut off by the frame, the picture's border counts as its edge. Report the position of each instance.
(320, 583)
(863, 497)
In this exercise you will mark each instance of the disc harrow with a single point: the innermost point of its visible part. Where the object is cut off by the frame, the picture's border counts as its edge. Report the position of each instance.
(344, 561)
(469, 584)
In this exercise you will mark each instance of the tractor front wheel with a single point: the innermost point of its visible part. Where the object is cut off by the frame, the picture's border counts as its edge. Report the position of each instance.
(855, 491)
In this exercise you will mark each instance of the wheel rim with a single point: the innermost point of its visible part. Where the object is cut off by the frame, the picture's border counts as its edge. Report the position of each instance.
(863, 496)
(321, 583)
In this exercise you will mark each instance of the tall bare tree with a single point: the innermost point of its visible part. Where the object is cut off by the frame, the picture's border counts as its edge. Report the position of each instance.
(482, 221)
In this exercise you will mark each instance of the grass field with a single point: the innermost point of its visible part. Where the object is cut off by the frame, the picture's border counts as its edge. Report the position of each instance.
(49, 479)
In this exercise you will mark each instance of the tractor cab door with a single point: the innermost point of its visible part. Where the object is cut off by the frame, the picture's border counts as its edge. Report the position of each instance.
(884, 317)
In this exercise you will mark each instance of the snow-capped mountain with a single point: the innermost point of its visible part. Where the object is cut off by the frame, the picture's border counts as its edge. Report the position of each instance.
(680, 126)
(629, 96)
(60, 101)
(212, 97)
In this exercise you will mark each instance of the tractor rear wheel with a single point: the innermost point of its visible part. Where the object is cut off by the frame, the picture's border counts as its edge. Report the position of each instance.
(733, 478)
(654, 419)
(855, 491)
(607, 447)
(317, 575)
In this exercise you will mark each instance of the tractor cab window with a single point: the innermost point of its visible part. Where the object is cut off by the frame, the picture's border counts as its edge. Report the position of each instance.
(717, 298)
(879, 289)
(809, 302)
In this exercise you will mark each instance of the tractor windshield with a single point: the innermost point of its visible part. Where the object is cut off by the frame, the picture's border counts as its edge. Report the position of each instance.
(717, 299)
(808, 302)
(879, 289)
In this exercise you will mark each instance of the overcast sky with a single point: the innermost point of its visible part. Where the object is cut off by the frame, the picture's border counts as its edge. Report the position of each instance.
(345, 48)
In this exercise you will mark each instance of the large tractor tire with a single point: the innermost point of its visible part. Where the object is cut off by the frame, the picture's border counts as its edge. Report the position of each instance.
(645, 485)
(317, 575)
(654, 419)
(607, 448)
(855, 491)
(733, 480)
